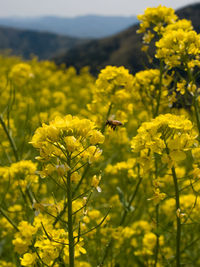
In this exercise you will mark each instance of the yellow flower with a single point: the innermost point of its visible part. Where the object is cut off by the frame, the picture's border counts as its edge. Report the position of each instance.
(181, 86)
(111, 79)
(96, 137)
(94, 214)
(157, 17)
(95, 182)
(149, 240)
(148, 36)
(7, 264)
(23, 238)
(183, 24)
(67, 137)
(21, 244)
(158, 196)
(196, 153)
(167, 135)
(21, 73)
(178, 48)
(146, 88)
(28, 259)
(72, 143)
(75, 177)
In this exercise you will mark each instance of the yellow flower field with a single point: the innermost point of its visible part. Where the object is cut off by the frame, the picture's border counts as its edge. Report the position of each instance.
(105, 171)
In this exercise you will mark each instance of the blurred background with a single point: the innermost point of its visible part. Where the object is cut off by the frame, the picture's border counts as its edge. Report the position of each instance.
(81, 33)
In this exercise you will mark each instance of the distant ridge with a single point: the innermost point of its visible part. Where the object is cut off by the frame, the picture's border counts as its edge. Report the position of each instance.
(26, 43)
(191, 12)
(121, 49)
(91, 26)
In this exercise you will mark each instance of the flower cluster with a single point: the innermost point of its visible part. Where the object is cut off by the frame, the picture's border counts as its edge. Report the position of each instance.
(148, 89)
(118, 168)
(20, 73)
(112, 94)
(19, 175)
(183, 24)
(40, 239)
(189, 208)
(179, 48)
(168, 135)
(157, 18)
(68, 137)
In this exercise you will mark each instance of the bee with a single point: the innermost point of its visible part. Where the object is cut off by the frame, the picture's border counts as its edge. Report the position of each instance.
(113, 123)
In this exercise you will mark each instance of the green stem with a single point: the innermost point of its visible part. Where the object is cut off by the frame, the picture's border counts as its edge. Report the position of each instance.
(107, 116)
(10, 139)
(110, 243)
(178, 221)
(157, 217)
(8, 219)
(130, 202)
(196, 108)
(157, 235)
(108, 246)
(191, 78)
(81, 180)
(70, 221)
(160, 90)
(73, 194)
(60, 214)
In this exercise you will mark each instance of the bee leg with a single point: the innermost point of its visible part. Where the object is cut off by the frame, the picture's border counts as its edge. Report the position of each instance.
(114, 127)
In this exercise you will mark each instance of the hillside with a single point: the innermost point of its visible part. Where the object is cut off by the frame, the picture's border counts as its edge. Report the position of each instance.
(26, 43)
(91, 26)
(120, 49)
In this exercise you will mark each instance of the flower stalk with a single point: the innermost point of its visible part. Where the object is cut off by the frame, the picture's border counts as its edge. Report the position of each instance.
(70, 219)
(111, 241)
(178, 220)
(10, 139)
(197, 115)
(160, 90)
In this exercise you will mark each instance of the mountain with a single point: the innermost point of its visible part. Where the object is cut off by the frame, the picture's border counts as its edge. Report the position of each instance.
(44, 45)
(191, 12)
(91, 26)
(123, 48)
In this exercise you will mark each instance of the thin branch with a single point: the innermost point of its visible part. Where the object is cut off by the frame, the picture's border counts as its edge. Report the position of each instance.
(107, 116)
(35, 249)
(81, 180)
(10, 139)
(8, 219)
(80, 152)
(95, 227)
(84, 204)
(51, 239)
(79, 196)
(54, 180)
(79, 167)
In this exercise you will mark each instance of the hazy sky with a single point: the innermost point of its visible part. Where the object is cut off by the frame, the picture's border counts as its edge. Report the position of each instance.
(82, 7)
